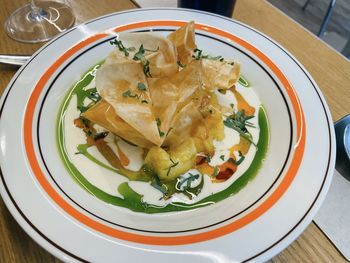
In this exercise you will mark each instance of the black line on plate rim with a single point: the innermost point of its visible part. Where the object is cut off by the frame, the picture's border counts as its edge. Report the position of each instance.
(154, 231)
(26, 219)
(34, 227)
(323, 182)
(206, 13)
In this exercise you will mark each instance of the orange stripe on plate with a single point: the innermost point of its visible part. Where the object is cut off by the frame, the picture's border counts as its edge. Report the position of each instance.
(163, 240)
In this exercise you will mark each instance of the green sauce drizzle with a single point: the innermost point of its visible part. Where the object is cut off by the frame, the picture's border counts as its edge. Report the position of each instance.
(131, 199)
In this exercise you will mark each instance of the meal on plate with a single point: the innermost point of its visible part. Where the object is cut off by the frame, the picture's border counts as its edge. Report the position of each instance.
(160, 125)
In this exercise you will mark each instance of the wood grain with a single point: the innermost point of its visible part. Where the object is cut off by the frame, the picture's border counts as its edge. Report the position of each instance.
(328, 67)
(330, 70)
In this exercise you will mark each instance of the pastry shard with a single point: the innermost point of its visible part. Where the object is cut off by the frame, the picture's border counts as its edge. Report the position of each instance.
(119, 85)
(103, 114)
(149, 101)
(184, 41)
(156, 49)
(219, 74)
(164, 97)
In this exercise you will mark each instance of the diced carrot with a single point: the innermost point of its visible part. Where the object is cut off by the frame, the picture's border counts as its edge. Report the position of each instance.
(227, 169)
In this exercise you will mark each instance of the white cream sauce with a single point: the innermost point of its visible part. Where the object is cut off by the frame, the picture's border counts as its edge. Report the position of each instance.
(109, 181)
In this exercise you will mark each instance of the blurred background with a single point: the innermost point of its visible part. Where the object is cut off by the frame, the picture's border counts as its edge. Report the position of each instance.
(311, 14)
(332, 16)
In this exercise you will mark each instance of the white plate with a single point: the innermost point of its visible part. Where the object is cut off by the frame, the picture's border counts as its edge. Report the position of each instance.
(257, 223)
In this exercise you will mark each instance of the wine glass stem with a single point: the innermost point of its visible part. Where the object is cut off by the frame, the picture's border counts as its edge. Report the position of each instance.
(36, 13)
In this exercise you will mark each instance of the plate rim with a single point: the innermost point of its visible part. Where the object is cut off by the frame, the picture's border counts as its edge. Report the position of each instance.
(324, 187)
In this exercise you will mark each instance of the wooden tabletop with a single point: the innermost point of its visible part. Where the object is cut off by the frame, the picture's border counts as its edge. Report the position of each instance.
(330, 70)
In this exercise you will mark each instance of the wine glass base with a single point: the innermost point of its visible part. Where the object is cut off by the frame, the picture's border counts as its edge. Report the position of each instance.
(54, 18)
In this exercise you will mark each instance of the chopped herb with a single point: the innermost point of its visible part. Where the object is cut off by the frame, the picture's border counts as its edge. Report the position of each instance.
(129, 94)
(100, 135)
(161, 134)
(222, 91)
(146, 69)
(85, 121)
(171, 166)
(82, 108)
(141, 86)
(190, 192)
(88, 133)
(158, 122)
(156, 183)
(152, 50)
(140, 55)
(239, 122)
(220, 58)
(187, 180)
(208, 158)
(240, 160)
(93, 95)
(232, 105)
(222, 157)
(180, 64)
(121, 47)
(198, 54)
(243, 81)
(211, 111)
(161, 188)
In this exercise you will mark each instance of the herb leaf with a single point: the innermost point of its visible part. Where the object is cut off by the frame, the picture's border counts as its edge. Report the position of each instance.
(82, 108)
(121, 47)
(140, 55)
(161, 134)
(243, 81)
(156, 183)
(128, 93)
(239, 122)
(198, 54)
(171, 166)
(187, 180)
(93, 95)
(222, 157)
(141, 86)
(208, 158)
(100, 135)
(180, 64)
(239, 161)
